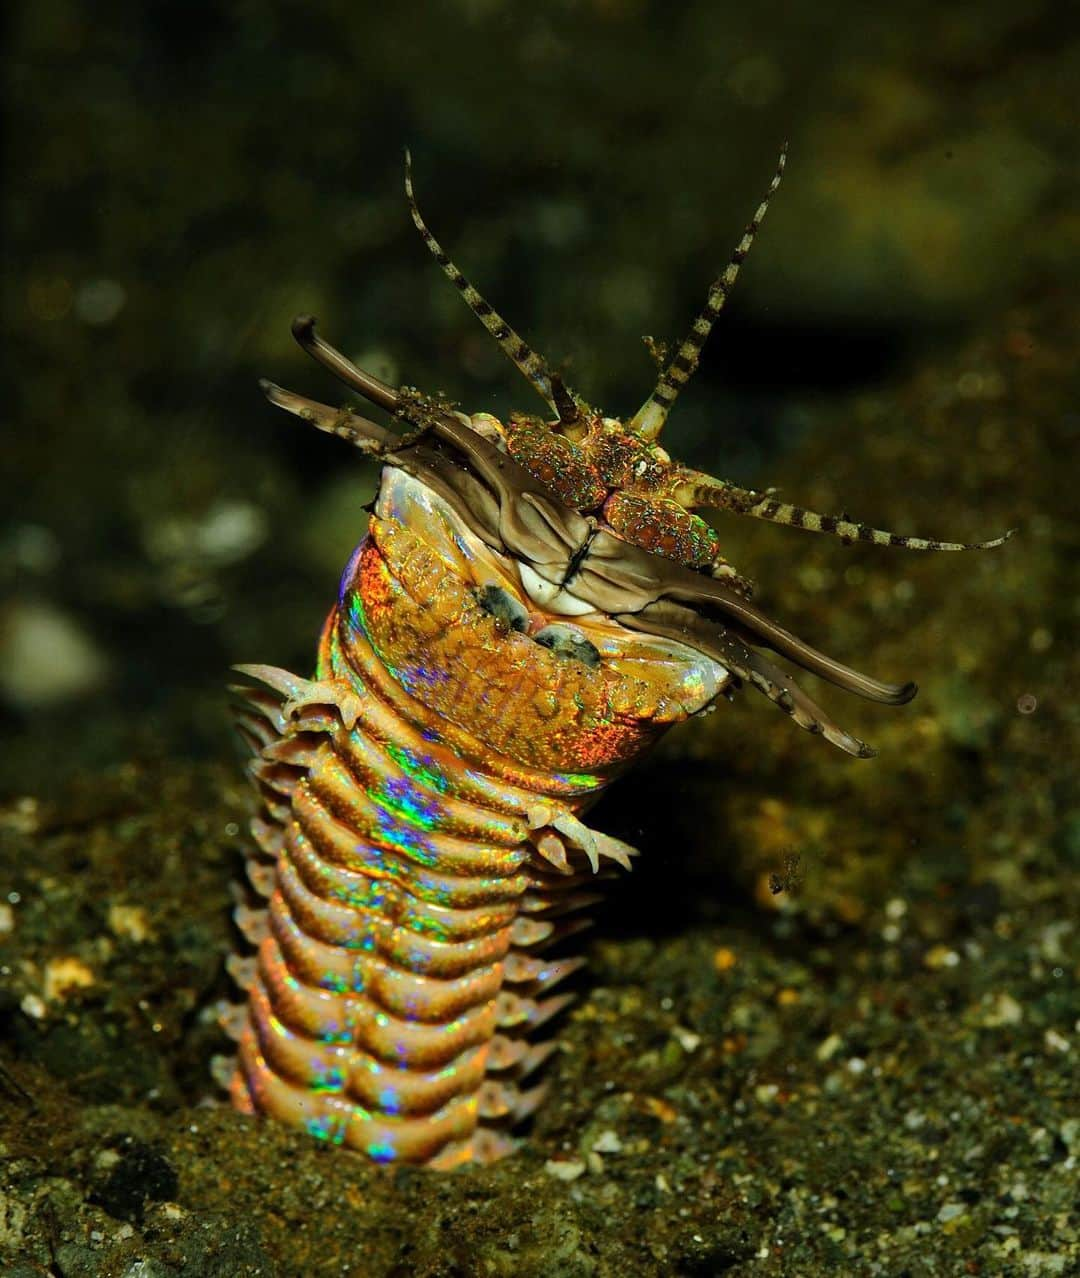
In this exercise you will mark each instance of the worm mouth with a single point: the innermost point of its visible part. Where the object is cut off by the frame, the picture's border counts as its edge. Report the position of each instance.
(513, 513)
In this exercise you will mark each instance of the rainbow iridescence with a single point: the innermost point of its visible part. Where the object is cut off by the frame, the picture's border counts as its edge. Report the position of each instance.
(420, 845)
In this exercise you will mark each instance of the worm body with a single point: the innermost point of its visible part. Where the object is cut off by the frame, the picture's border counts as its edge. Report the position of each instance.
(531, 605)
(420, 839)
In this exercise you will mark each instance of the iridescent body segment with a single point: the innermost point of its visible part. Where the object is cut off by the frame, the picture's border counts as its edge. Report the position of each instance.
(533, 603)
(420, 842)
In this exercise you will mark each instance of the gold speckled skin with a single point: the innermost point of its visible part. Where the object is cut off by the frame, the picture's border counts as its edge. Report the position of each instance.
(524, 700)
(420, 845)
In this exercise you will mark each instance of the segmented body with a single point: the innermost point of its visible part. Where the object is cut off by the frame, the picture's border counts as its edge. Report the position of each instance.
(533, 604)
(420, 842)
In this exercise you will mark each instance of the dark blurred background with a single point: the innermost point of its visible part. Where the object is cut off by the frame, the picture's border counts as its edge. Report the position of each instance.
(183, 178)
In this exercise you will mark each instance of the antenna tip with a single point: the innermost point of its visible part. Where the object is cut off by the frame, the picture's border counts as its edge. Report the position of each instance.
(997, 541)
(303, 328)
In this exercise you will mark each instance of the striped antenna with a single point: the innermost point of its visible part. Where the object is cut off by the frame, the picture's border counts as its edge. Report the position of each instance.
(566, 405)
(649, 420)
(520, 352)
(742, 501)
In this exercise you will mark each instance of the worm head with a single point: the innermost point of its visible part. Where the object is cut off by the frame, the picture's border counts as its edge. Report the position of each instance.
(597, 514)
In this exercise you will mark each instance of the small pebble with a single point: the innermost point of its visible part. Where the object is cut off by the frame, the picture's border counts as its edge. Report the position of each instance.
(686, 1039)
(829, 1047)
(33, 1005)
(939, 956)
(1003, 1010)
(64, 975)
(607, 1143)
(129, 922)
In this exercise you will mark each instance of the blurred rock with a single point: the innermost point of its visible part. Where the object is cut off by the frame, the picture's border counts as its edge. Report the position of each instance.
(46, 658)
